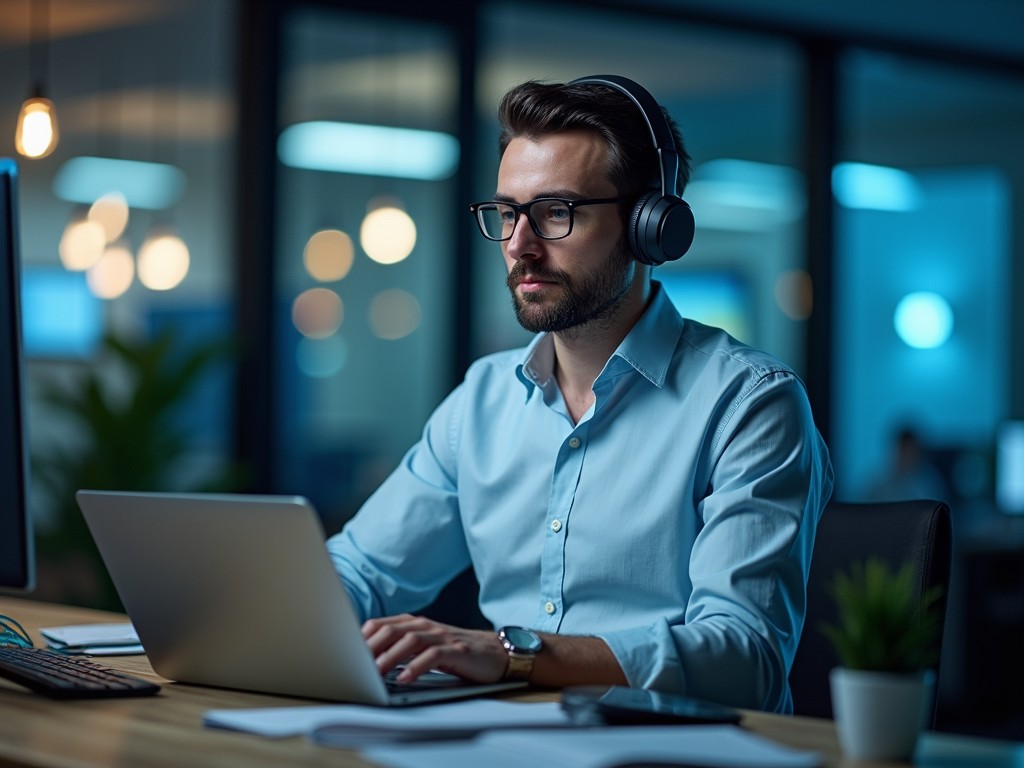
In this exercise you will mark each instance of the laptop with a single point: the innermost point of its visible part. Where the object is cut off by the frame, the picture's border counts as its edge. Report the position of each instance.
(238, 591)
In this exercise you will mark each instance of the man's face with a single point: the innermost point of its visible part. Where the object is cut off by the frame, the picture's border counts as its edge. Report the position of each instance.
(563, 284)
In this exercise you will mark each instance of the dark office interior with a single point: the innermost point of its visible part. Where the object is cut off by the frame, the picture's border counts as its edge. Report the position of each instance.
(858, 189)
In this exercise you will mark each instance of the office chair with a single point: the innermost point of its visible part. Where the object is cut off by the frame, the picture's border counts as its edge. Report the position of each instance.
(919, 532)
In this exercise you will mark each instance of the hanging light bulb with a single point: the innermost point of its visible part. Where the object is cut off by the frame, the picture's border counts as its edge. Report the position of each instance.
(37, 133)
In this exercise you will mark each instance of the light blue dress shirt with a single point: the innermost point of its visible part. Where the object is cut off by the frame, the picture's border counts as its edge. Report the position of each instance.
(675, 520)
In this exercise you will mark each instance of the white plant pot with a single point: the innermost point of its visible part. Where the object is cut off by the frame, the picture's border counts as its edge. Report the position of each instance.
(879, 715)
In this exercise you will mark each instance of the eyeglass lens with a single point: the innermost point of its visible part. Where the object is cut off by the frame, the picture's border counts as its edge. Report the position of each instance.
(550, 219)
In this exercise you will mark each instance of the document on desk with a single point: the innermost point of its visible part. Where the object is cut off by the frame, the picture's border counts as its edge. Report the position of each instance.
(713, 746)
(116, 639)
(333, 724)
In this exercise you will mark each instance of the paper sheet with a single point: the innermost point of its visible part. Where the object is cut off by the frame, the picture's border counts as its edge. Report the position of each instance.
(720, 746)
(74, 635)
(470, 715)
(117, 639)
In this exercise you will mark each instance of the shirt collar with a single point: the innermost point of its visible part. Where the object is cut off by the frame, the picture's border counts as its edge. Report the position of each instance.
(647, 348)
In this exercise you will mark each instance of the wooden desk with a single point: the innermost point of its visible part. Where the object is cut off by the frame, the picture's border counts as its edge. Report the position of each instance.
(166, 730)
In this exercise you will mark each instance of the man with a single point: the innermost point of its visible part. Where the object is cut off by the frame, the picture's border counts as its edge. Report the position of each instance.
(637, 493)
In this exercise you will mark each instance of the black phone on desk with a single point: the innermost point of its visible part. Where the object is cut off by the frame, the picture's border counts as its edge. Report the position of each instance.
(619, 705)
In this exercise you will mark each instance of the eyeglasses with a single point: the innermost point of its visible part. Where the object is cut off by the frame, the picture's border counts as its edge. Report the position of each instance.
(550, 218)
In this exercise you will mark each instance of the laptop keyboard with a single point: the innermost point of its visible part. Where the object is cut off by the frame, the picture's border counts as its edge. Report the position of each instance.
(429, 681)
(60, 676)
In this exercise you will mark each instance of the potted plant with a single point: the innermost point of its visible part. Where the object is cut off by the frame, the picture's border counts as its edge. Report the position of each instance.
(887, 640)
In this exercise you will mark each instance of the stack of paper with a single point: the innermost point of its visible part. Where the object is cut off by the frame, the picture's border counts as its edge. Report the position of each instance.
(506, 734)
(94, 639)
(708, 746)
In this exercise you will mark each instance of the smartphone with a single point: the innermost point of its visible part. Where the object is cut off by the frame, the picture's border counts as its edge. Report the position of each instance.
(619, 705)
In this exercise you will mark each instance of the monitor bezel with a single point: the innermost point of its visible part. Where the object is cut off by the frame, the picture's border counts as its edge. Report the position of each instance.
(17, 529)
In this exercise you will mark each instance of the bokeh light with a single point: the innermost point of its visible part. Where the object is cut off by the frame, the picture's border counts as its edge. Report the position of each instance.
(923, 320)
(110, 211)
(321, 358)
(317, 313)
(163, 262)
(394, 314)
(112, 275)
(794, 293)
(81, 244)
(387, 234)
(328, 255)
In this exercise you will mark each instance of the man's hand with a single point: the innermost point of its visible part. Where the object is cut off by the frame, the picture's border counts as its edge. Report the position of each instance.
(423, 644)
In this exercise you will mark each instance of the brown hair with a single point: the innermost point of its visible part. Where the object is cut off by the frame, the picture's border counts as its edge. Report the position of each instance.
(535, 109)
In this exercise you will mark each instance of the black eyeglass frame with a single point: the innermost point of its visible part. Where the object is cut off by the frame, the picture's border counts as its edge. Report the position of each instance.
(521, 208)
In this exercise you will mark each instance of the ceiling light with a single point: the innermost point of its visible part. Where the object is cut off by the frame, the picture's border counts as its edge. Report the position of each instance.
(875, 187)
(153, 186)
(372, 150)
(37, 134)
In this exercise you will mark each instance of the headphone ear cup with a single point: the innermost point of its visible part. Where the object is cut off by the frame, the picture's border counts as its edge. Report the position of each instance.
(661, 229)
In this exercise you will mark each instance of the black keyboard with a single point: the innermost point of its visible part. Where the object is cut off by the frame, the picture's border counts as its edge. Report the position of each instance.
(60, 676)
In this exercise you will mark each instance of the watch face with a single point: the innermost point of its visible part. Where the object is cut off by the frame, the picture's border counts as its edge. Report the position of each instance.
(522, 640)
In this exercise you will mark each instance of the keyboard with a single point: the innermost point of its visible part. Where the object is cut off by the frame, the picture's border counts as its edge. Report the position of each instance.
(61, 676)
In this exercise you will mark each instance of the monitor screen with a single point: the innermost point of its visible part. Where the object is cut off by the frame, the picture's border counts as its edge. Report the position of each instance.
(17, 562)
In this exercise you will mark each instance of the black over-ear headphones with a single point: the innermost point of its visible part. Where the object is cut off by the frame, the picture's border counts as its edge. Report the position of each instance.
(661, 227)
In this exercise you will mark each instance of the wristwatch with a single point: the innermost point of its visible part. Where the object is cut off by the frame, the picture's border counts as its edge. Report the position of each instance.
(522, 645)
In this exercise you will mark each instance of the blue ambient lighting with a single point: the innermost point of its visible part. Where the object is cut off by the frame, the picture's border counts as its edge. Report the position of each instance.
(875, 187)
(372, 150)
(60, 315)
(923, 320)
(152, 186)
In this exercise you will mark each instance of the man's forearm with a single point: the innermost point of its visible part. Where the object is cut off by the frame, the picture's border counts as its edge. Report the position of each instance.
(571, 660)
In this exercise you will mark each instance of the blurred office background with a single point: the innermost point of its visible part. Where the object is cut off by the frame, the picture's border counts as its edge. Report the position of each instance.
(858, 190)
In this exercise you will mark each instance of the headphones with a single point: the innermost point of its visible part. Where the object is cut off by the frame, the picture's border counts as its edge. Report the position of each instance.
(661, 226)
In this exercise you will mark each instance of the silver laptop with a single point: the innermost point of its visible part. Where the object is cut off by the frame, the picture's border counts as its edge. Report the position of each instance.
(238, 591)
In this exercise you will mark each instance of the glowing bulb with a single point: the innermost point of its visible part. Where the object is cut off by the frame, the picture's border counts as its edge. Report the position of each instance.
(388, 235)
(163, 262)
(36, 135)
(81, 245)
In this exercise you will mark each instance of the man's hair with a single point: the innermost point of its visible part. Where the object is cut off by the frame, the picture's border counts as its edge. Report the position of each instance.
(534, 109)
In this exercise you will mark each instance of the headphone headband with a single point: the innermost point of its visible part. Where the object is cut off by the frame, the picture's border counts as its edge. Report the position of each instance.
(661, 226)
(661, 132)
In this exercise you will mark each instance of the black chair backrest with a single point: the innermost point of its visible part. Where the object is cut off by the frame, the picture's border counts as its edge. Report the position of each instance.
(919, 532)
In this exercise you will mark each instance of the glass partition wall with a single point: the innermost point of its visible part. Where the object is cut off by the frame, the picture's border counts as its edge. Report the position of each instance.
(367, 154)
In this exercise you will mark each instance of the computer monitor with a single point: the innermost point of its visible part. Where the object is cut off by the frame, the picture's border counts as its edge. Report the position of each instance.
(17, 550)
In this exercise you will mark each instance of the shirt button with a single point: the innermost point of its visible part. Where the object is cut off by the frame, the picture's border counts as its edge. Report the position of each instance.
(549, 607)
(556, 525)
(574, 442)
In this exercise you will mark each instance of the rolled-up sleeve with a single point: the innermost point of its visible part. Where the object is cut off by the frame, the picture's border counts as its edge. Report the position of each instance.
(767, 483)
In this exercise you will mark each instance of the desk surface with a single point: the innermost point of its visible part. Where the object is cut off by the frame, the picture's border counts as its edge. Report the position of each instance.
(166, 730)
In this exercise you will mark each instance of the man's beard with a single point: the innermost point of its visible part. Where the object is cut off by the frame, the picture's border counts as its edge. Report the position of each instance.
(595, 298)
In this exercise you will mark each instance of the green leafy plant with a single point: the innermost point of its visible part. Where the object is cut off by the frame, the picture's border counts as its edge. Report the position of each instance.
(124, 433)
(882, 625)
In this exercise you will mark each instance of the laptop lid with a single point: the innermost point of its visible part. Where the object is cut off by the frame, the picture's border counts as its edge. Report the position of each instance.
(238, 591)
